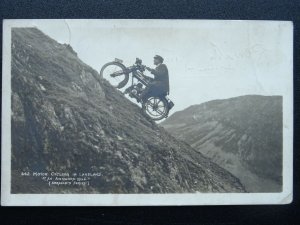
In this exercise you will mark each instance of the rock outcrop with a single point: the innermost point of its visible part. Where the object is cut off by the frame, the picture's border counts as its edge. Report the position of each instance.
(65, 121)
(242, 134)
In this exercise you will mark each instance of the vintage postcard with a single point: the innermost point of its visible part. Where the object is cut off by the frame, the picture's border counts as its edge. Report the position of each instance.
(147, 112)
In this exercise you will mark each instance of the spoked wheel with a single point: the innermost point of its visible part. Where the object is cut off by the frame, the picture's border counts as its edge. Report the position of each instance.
(156, 108)
(115, 73)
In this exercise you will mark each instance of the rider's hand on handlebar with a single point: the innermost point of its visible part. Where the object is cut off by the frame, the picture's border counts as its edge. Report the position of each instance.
(148, 68)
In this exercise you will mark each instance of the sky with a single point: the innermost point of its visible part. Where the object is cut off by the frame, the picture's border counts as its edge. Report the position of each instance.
(206, 59)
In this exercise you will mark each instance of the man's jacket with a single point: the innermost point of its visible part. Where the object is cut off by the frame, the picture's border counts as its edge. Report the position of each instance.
(161, 77)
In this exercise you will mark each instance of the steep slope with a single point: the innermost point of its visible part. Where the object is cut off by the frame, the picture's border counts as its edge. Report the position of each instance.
(64, 122)
(242, 134)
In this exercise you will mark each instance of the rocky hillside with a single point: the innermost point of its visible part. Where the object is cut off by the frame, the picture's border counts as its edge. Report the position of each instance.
(64, 122)
(242, 134)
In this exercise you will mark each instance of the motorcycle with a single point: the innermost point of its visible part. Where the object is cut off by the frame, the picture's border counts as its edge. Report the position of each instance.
(157, 107)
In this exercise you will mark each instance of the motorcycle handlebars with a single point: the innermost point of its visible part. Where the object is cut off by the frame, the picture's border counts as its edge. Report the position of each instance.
(138, 61)
(139, 64)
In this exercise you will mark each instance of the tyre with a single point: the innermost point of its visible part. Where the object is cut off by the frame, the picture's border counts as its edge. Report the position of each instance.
(115, 73)
(156, 108)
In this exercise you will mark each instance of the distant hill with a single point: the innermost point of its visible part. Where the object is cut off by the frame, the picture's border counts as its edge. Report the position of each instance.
(63, 120)
(241, 134)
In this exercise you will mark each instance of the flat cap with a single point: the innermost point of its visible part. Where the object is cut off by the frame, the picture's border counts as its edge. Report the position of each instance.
(159, 58)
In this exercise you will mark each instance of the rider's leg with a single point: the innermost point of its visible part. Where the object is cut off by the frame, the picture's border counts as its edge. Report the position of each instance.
(152, 91)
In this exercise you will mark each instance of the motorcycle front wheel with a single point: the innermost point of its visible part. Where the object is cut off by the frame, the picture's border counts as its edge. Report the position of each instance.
(156, 108)
(115, 73)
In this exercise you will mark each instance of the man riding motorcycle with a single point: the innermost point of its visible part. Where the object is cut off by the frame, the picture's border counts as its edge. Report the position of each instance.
(160, 84)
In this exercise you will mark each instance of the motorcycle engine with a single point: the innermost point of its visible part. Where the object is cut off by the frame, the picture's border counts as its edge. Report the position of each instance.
(136, 90)
(139, 87)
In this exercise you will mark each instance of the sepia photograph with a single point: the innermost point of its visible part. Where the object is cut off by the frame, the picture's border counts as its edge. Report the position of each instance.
(147, 112)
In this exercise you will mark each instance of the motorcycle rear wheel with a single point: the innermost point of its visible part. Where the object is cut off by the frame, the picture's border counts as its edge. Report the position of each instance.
(115, 73)
(156, 108)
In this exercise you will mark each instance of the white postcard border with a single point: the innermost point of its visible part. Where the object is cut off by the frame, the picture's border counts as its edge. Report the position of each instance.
(8, 199)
